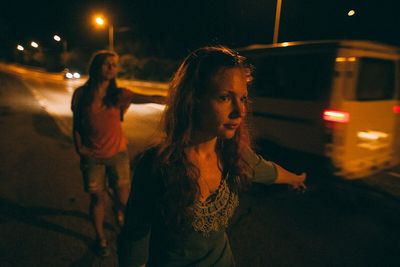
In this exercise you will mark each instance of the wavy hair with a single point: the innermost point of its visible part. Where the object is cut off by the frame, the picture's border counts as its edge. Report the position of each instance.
(94, 71)
(189, 84)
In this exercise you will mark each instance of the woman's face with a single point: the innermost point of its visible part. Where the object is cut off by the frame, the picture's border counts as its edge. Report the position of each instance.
(223, 107)
(109, 68)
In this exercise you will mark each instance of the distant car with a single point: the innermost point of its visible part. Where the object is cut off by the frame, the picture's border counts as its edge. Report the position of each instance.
(71, 74)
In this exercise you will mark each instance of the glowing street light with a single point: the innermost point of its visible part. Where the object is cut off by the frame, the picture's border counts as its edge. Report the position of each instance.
(100, 20)
(57, 38)
(34, 44)
(351, 12)
(20, 48)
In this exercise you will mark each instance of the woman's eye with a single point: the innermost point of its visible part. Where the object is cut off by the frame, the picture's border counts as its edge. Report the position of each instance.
(245, 99)
(224, 98)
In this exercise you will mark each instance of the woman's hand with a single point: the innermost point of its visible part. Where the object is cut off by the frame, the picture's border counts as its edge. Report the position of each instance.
(296, 181)
(85, 151)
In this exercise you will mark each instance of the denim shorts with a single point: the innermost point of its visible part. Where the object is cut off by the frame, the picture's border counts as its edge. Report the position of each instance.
(99, 174)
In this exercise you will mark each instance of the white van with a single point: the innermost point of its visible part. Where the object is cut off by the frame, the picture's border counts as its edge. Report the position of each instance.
(334, 100)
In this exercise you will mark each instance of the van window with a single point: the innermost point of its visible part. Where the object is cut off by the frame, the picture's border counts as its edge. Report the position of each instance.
(376, 80)
(292, 76)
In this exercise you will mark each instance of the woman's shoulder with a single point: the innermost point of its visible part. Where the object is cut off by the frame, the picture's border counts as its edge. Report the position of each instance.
(79, 90)
(125, 95)
(147, 157)
(76, 96)
(146, 169)
(149, 152)
(124, 91)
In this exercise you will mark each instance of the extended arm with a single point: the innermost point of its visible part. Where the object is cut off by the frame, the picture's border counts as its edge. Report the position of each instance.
(140, 98)
(268, 172)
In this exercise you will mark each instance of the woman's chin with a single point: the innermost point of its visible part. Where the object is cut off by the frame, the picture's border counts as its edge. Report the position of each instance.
(227, 135)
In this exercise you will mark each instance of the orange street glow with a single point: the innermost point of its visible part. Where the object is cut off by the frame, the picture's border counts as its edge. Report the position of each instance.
(99, 21)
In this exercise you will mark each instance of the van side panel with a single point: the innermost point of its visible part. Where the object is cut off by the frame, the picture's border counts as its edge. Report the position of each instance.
(366, 92)
(297, 84)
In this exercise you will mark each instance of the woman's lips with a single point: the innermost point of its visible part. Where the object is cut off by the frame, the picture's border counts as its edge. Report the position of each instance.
(231, 126)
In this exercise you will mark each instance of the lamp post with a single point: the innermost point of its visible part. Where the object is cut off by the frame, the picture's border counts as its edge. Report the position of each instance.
(34, 44)
(37, 54)
(99, 20)
(351, 13)
(37, 47)
(277, 20)
(57, 38)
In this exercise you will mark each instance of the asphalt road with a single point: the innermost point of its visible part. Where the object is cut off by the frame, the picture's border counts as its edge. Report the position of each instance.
(44, 221)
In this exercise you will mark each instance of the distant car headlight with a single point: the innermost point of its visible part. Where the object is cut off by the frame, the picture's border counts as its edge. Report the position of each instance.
(69, 75)
(72, 75)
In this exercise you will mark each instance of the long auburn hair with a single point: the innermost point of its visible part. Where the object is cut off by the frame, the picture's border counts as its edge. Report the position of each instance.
(190, 82)
(94, 71)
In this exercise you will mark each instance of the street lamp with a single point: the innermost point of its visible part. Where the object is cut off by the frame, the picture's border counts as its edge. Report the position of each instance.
(351, 13)
(100, 21)
(57, 38)
(20, 48)
(277, 20)
(34, 44)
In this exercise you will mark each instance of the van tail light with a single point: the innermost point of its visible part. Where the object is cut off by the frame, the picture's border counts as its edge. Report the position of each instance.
(396, 109)
(336, 116)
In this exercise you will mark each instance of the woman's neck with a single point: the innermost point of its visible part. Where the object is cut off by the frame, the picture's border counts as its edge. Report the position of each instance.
(101, 88)
(203, 148)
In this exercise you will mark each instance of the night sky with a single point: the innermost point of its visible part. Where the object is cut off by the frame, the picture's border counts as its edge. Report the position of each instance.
(172, 28)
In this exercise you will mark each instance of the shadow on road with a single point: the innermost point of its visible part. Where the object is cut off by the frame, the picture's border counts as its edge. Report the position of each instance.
(45, 125)
(32, 216)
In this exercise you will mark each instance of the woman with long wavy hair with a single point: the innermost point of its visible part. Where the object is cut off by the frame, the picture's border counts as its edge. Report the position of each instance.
(185, 190)
(98, 108)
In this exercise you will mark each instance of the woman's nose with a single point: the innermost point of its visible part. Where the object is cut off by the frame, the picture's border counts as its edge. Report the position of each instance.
(238, 109)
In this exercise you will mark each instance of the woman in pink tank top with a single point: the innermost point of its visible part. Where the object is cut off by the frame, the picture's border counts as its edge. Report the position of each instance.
(98, 108)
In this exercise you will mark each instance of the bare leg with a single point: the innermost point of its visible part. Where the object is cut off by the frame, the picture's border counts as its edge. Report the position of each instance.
(97, 208)
(122, 199)
(124, 194)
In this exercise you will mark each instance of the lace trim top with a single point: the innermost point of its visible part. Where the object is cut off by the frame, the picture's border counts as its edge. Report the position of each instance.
(215, 212)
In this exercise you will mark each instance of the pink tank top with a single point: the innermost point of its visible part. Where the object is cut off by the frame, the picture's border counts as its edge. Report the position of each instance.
(101, 126)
